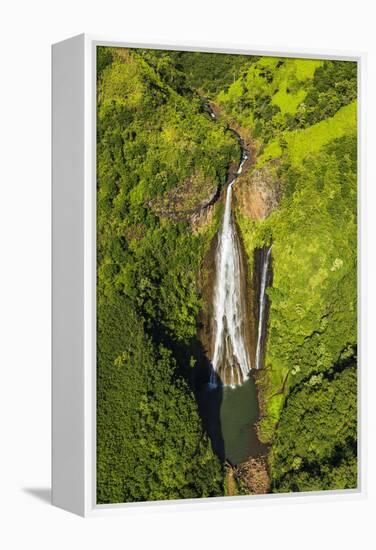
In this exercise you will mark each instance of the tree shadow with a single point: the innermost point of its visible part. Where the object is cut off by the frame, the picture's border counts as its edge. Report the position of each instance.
(209, 398)
(209, 402)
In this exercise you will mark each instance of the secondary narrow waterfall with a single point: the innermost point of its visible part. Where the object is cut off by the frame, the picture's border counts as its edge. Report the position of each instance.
(230, 360)
(262, 305)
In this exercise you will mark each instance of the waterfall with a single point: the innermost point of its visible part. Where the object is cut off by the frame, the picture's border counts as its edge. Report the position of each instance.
(262, 304)
(230, 360)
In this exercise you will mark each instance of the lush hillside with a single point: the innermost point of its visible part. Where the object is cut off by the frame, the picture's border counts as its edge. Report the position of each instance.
(210, 73)
(162, 162)
(303, 117)
(150, 441)
(155, 144)
(315, 444)
(276, 94)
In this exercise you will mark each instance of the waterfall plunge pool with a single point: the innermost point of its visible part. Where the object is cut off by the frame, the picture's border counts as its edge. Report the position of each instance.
(229, 415)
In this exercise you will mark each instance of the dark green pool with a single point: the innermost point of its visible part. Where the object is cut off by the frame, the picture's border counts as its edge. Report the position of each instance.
(229, 415)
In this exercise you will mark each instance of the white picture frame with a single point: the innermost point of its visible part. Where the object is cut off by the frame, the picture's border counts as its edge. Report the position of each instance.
(74, 278)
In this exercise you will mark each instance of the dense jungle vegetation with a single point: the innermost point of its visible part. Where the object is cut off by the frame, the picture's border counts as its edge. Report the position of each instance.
(153, 141)
(302, 114)
(161, 160)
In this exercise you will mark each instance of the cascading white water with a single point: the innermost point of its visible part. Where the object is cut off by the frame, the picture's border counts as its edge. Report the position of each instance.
(230, 357)
(262, 304)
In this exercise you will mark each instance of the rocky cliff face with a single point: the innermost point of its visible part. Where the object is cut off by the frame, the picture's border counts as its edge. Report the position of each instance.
(187, 200)
(194, 200)
(258, 192)
(253, 475)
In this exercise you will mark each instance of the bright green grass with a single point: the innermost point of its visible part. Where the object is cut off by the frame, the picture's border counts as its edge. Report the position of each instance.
(312, 139)
(272, 150)
(305, 68)
(301, 143)
(267, 61)
(288, 102)
(299, 70)
(274, 400)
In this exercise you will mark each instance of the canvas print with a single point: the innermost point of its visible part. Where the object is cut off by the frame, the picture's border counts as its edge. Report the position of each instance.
(226, 275)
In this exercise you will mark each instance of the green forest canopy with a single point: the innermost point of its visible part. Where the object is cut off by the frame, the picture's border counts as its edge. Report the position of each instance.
(155, 138)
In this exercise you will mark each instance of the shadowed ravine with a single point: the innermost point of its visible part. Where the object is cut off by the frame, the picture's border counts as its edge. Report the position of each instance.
(234, 336)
